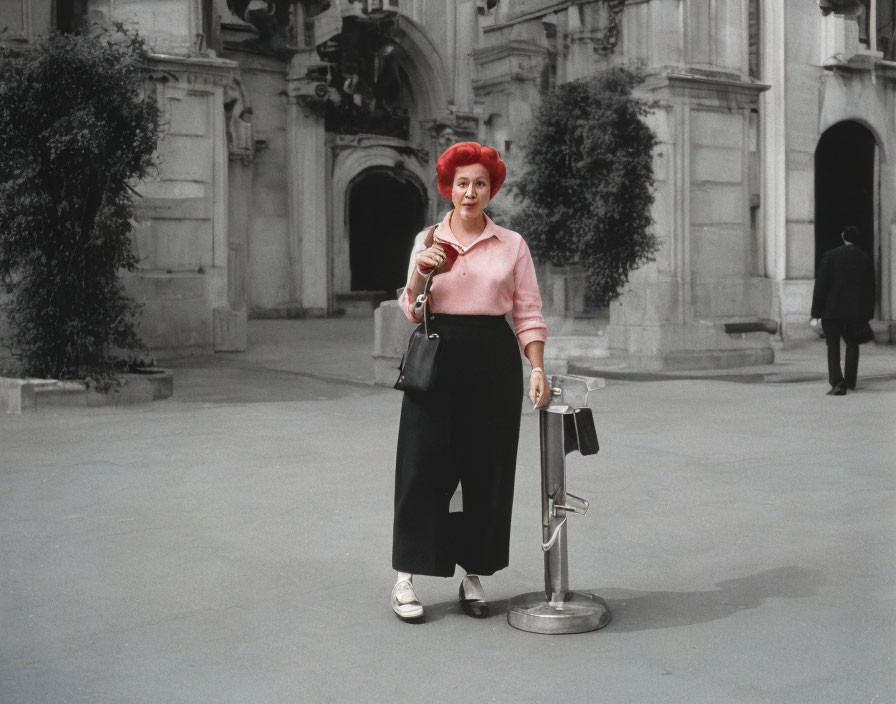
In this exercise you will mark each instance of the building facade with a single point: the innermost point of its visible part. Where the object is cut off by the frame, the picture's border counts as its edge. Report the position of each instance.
(301, 138)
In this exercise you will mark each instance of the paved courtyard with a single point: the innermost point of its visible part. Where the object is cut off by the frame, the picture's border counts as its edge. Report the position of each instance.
(232, 544)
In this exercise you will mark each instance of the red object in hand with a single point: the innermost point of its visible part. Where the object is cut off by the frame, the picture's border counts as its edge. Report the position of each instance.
(451, 253)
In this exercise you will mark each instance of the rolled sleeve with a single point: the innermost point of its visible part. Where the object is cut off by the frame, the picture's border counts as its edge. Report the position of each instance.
(528, 321)
(405, 300)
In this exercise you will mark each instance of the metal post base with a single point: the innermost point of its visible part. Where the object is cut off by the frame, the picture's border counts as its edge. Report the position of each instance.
(579, 612)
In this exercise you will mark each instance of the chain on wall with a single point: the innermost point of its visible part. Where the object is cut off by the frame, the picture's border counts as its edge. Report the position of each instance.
(609, 37)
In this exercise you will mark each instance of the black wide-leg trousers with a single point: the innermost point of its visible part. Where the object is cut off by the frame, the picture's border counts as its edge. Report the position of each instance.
(463, 431)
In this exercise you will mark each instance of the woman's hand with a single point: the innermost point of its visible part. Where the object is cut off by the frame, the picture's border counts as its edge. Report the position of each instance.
(430, 258)
(539, 393)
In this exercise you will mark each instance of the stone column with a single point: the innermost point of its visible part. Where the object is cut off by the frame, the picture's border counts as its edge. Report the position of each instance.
(466, 39)
(230, 331)
(773, 117)
(580, 57)
(230, 326)
(308, 193)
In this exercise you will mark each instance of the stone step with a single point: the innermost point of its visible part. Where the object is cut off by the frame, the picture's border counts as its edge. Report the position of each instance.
(582, 347)
(361, 303)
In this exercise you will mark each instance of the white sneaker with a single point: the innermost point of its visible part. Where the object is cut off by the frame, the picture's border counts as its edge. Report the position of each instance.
(404, 601)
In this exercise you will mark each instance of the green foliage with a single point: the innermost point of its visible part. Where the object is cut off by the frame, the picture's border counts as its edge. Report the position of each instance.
(587, 186)
(75, 129)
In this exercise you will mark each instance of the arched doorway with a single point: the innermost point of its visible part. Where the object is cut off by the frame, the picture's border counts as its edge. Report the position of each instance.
(386, 209)
(845, 184)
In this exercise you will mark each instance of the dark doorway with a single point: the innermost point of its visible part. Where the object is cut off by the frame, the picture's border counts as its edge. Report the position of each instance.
(844, 186)
(69, 15)
(385, 212)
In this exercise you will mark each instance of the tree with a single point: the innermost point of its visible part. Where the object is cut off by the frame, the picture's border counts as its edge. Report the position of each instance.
(587, 184)
(75, 129)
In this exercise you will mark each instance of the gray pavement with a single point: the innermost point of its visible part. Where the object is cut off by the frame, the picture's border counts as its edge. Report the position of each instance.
(231, 544)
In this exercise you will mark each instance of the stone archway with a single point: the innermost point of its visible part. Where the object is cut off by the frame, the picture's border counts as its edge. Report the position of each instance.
(384, 211)
(860, 101)
(394, 138)
(355, 159)
(846, 185)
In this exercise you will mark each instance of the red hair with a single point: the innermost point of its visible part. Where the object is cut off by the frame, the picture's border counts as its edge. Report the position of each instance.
(464, 154)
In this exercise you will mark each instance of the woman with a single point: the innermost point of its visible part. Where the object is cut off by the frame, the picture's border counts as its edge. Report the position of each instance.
(466, 429)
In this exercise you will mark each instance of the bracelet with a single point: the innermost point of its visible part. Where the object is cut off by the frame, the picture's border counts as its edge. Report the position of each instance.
(536, 369)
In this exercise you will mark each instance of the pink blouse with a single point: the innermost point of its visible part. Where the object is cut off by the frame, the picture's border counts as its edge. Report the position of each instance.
(492, 276)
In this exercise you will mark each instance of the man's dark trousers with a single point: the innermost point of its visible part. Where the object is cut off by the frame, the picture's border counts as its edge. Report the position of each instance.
(833, 331)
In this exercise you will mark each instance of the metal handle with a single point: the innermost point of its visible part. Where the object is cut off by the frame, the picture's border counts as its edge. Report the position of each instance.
(573, 503)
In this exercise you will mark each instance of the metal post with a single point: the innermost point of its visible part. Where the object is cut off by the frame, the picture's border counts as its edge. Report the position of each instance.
(562, 428)
(553, 469)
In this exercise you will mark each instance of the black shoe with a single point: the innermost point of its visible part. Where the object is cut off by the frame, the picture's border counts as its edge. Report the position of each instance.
(476, 606)
(851, 387)
(838, 390)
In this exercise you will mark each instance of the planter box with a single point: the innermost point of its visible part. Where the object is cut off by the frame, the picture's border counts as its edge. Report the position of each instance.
(21, 395)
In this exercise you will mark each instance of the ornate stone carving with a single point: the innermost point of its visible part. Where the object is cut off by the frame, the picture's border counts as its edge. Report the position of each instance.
(462, 128)
(210, 74)
(340, 142)
(847, 8)
(238, 115)
(274, 23)
(312, 91)
(194, 71)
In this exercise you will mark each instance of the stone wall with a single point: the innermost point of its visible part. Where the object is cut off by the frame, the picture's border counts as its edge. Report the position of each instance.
(269, 274)
(24, 20)
(181, 233)
(169, 26)
(828, 78)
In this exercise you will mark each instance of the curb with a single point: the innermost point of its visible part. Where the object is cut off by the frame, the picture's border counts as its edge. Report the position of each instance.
(22, 395)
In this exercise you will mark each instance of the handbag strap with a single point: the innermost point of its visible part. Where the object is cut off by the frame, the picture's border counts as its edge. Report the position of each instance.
(424, 297)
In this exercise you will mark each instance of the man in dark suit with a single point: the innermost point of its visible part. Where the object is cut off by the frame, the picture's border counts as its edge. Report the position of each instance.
(844, 300)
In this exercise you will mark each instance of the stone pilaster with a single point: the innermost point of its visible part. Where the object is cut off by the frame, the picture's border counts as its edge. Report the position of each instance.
(230, 322)
(183, 231)
(308, 194)
(679, 310)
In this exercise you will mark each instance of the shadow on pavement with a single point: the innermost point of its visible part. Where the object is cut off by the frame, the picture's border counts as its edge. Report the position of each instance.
(436, 612)
(646, 611)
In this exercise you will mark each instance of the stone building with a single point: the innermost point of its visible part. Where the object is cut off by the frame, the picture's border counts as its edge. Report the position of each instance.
(301, 137)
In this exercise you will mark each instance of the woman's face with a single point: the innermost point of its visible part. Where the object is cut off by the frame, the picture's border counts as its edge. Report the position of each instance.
(471, 191)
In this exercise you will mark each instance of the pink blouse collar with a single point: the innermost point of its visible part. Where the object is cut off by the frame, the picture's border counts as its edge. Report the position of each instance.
(444, 232)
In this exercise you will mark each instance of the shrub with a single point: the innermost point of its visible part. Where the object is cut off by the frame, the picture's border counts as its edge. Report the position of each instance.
(75, 129)
(587, 184)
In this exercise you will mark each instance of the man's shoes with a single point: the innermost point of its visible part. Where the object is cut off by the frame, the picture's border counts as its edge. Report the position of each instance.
(472, 597)
(851, 387)
(838, 390)
(404, 601)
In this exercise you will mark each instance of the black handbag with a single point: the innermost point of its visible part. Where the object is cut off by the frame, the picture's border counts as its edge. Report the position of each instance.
(417, 370)
(862, 333)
